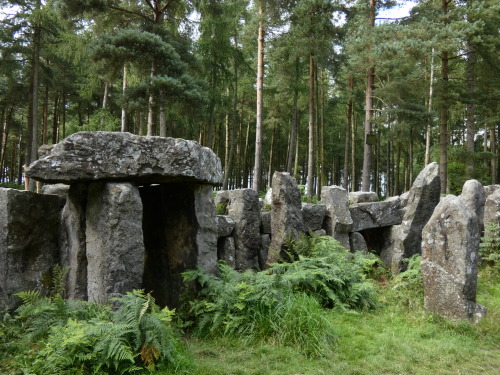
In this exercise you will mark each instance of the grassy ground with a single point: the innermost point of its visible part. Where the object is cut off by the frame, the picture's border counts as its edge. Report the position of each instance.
(398, 338)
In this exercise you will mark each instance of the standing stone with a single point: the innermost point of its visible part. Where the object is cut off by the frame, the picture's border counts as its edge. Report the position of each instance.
(226, 250)
(265, 222)
(206, 234)
(490, 189)
(73, 242)
(358, 242)
(115, 246)
(423, 197)
(338, 221)
(225, 226)
(450, 245)
(492, 208)
(376, 214)
(286, 214)
(243, 208)
(268, 199)
(29, 226)
(313, 216)
(264, 250)
(474, 198)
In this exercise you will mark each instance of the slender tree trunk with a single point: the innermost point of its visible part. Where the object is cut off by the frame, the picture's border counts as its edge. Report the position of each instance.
(493, 150)
(367, 154)
(470, 109)
(228, 167)
(389, 164)
(396, 172)
(45, 115)
(295, 121)
(322, 139)
(246, 166)
(5, 137)
(55, 122)
(163, 115)
(123, 127)
(377, 166)
(354, 179)
(37, 34)
(428, 133)
(310, 155)
(105, 101)
(270, 166)
(257, 172)
(63, 104)
(350, 87)
(150, 131)
(443, 116)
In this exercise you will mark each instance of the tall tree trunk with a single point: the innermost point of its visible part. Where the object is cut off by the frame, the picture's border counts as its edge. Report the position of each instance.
(257, 171)
(150, 131)
(388, 190)
(428, 133)
(271, 153)
(310, 155)
(163, 115)
(322, 139)
(350, 86)
(105, 102)
(443, 116)
(55, 122)
(45, 115)
(493, 150)
(245, 154)
(354, 179)
(5, 137)
(228, 167)
(367, 154)
(470, 109)
(295, 121)
(37, 34)
(396, 172)
(123, 127)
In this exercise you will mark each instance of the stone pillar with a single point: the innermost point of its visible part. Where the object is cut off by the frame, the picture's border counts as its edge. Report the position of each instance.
(73, 242)
(286, 214)
(29, 226)
(450, 246)
(423, 197)
(115, 245)
(243, 207)
(338, 221)
(206, 234)
(474, 198)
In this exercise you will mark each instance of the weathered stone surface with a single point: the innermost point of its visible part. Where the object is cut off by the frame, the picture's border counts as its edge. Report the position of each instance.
(243, 208)
(265, 222)
(264, 250)
(356, 197)
(474, 198)
(376, 215)
(226, 250)
(313, 216)
(490, 189)
(180, 233)
(206, 228)
(73, 252)
(225, 226)
(56, 189)
(115, 245)
(338, 221)
(113, 156)
(286, 214)
(358, 242)
(423, 197)
(320, 232)
(450, 245)
(492, 208)
(29, 226)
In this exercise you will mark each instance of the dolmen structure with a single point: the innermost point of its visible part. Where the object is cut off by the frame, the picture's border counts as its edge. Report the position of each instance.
(123, 212)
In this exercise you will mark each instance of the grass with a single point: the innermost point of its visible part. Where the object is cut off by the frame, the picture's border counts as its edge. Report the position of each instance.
(400, 337)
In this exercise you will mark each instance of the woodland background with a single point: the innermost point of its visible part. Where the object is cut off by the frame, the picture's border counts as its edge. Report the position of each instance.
(326, 90)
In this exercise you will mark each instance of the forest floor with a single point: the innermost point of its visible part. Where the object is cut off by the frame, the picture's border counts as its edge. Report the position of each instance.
(399, 337)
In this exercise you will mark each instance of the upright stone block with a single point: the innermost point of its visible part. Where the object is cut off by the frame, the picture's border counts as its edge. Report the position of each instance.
(474, 198)
(338, 222)
(450, 245)
(206, 234)
(492, 208)
(286, 214)
(243, 208)
(422, 198)
(73, 248)
(29, 226)
(313, 216)
(115, 245)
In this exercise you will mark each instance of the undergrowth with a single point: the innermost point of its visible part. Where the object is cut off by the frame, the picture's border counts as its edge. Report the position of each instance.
(283, 304)
(56, 336)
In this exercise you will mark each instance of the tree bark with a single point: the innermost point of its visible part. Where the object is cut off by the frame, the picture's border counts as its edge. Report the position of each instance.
(367, 154)
(123, 127)
(443, 116)
(310, 155)
(55, 122)
(350, 86)
(257, 172)
(150, 131)
(428, 133)
(470, 109)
